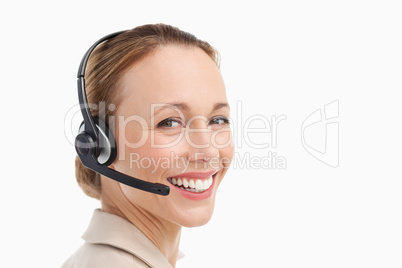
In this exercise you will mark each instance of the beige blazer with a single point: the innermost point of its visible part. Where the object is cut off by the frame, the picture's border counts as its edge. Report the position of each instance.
(111, 241)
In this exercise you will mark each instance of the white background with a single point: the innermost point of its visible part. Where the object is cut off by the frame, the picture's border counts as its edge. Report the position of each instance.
(278, 58)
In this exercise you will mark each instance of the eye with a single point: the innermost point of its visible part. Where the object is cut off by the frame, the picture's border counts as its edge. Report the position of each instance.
(219, 121)
(169, 123)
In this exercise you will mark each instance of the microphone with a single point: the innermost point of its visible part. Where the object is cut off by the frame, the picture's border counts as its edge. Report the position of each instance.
(89, 161)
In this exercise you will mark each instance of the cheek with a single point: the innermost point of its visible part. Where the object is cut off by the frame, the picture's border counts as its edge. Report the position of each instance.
(154, 158)
(131, 137)
(163, 147)
(166, 139)
(222, 138)
(226, 156)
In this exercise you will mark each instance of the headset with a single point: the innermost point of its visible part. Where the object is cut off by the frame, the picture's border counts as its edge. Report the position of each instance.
(95, 143)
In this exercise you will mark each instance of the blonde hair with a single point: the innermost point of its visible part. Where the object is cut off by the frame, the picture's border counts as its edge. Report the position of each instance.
(107, 64)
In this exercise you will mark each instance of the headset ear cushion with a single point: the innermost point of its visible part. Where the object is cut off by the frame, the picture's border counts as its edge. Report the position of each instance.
(107, 142)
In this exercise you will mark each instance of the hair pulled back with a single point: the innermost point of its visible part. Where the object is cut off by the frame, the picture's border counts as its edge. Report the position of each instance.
(106, 66)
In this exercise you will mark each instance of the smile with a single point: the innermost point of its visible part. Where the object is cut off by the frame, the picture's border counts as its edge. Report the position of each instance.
(191, 185)
(193, 182)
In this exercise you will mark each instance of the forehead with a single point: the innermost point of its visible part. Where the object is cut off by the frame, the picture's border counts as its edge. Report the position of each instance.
(174, 74)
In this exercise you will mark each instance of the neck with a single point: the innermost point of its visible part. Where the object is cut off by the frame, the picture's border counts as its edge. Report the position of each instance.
(163, 234)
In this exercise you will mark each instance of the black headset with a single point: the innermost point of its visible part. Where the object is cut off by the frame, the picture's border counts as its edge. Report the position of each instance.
(95, 143)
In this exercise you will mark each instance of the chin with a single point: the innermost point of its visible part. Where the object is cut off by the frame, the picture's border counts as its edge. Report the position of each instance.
(196, 222)
(195, 217)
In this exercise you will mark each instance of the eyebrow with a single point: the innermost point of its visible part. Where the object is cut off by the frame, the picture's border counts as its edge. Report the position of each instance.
(183, 106)
(220, 105)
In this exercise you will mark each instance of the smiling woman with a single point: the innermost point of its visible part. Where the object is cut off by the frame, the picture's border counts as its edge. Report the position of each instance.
(171, 115)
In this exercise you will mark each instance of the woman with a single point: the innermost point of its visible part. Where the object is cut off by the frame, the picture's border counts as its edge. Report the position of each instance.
(167, 107)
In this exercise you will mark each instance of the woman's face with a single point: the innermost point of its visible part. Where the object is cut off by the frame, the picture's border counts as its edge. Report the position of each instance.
(172, 127)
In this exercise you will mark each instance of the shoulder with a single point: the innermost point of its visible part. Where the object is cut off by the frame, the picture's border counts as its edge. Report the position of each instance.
(102, 256)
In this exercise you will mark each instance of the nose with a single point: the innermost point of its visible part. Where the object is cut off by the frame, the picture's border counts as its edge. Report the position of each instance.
(200, 146)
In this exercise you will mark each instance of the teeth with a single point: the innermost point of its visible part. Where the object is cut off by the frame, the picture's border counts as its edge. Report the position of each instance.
(191, 185)
(199, 185)
(207, 183)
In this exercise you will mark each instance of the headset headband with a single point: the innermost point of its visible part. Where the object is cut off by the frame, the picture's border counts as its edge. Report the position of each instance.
(82, 94)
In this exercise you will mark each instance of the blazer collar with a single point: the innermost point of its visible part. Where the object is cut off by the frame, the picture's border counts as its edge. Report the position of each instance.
(112, 230)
